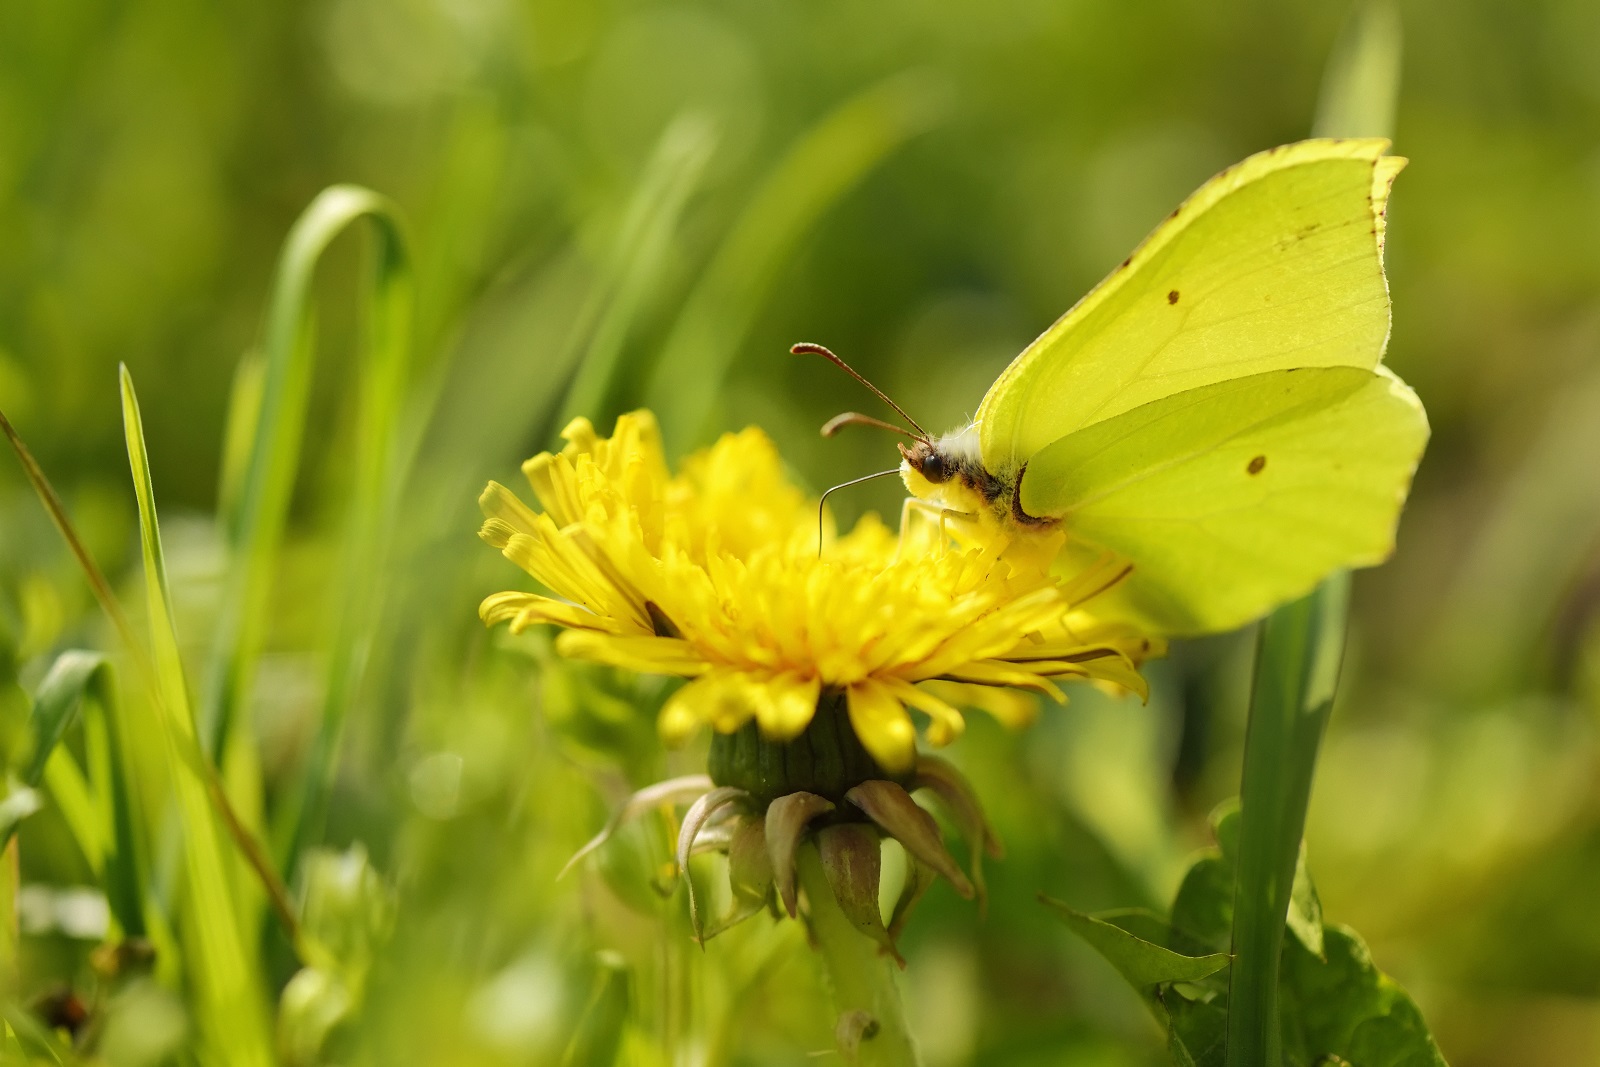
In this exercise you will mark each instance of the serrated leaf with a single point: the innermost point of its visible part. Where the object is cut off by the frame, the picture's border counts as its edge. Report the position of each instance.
(1305, 909)
(1225, 828)
(1197, 1030)
(1342, 1005)
(1144, 963)
(1203, 908)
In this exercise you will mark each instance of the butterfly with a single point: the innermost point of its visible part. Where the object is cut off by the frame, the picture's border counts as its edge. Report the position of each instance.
(1214, 413)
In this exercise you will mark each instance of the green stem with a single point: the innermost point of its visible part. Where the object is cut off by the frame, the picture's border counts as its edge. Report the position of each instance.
(1297, 667)
(862, 979)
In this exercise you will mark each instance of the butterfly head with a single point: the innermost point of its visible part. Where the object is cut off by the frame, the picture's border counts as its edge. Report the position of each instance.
(949, 472)
(927, 459)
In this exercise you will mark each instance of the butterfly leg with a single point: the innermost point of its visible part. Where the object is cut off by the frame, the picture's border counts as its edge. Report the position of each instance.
(914, 509)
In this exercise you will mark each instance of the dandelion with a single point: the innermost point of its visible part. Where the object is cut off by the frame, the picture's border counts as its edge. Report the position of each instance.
(715, 576)
(805, 659)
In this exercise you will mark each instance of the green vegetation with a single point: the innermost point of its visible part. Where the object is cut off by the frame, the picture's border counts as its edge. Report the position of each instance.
(273, 794)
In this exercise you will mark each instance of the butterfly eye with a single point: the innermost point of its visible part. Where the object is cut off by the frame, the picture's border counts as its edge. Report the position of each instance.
(934, 468)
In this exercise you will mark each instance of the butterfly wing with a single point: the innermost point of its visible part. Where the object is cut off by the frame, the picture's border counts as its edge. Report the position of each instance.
(1274, 263)
(1236, 496)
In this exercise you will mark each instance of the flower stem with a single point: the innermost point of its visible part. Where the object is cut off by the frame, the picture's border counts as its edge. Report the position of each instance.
(871, 1029)
(1297, 669)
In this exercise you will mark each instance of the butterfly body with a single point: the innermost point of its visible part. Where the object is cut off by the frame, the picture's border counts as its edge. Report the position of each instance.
(949, 473)
(1214, 412)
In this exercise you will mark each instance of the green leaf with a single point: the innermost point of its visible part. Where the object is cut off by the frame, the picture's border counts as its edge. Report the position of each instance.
(101, 819)
(1297, 668)
(1143, 962)
(1203, 907)
(1197, 1029)
(20, 802)
(269, 412)
(1344, 1006)
(56, 705)
(1333, 1001)
(224, 973)
(598, 1038)
(1305, 909)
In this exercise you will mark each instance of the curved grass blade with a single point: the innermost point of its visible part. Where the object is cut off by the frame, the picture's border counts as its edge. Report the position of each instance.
(102, 817)
(826, 163)
(230, 1003)
(270, 409)
(56, 705)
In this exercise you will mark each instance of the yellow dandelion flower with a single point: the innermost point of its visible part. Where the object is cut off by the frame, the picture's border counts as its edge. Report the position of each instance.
(714, 575)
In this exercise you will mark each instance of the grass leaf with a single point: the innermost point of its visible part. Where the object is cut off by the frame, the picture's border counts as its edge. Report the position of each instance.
(1361, 85)
(269, 410)
(230, 1001)
(1297, 667)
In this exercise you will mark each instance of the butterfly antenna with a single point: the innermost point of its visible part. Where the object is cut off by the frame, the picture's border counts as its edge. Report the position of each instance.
(844, 485)
(855, 418)
(808, 347)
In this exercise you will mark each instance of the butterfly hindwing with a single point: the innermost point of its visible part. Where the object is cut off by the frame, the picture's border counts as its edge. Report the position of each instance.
(1234, 497)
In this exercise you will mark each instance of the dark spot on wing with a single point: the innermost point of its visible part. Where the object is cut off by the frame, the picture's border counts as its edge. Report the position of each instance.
(1172, 297)
(1256, 465)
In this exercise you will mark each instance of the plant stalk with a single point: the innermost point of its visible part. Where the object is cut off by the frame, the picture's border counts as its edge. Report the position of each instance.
(1297, 669)
(871, 1028)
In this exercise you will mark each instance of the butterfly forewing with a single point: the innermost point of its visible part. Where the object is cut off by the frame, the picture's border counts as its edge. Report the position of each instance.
(1274, 263)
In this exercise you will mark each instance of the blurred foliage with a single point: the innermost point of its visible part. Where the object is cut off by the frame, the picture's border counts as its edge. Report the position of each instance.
(674, 193)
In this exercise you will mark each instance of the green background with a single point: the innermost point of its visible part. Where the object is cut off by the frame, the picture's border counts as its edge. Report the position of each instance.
(923, 186)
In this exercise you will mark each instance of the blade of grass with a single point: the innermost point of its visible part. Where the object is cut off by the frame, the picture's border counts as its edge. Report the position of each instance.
(101, 818)
(111, 772)
(56, 704)
(230, 1004)
(244, 404)
(69, 793)
(1297, 670)
(827, 162)
(276, 415)
(34, 1043)
(1361, 85)
(58, 515)
(1301, 644)
(272, 404)
(648, 225)
(190, 755)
